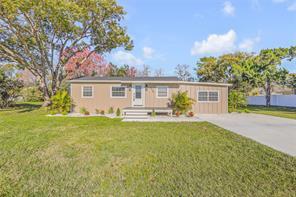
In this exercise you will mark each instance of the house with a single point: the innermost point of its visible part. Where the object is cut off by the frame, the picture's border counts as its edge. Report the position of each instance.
(146, 94)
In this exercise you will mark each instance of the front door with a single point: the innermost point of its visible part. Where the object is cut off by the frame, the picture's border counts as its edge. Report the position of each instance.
(138, 95)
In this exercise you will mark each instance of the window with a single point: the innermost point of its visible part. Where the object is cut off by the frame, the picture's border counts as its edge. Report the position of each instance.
(213, 96)
(87, 91)
(162, 92)
(208, 96)
(138, 90)
(203, 96)
(118, 92)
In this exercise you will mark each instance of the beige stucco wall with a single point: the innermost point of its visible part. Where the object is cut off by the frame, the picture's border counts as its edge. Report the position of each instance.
(208, 107)
(102, 99)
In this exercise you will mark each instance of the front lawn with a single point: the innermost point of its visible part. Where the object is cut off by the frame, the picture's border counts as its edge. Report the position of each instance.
(284, 112)
(59, 156)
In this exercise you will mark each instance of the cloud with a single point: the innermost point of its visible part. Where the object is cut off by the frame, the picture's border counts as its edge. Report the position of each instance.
(228, 8)
(215, 44)
(124, 57)
(148, 52)
(292, 7)
(248, 44)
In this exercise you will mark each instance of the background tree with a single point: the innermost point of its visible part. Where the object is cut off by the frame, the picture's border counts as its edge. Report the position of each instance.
(85, 63)
(291, 82)
(144, 72)
(266, 65)
(182, 72)
(10, 88)
(122, 71)
(237, 69)
(209, 70)
(35, 34)
(158, 72)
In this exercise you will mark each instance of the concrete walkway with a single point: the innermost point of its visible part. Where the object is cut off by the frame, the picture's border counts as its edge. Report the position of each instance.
(275, 132)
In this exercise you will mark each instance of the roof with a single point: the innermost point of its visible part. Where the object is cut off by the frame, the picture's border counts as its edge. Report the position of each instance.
(155, 80)
(97, 78)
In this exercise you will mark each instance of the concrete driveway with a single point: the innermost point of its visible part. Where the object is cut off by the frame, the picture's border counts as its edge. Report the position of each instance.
(275, 132)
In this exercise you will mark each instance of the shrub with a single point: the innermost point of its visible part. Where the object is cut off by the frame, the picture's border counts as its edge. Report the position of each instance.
(236, 100)
(52, 112)
(98, 111)
(9, 89)
(102, 112)
(181, 102)
(31, 94)
(153, 113)
(64, 113)
(190, 114)
(84, 111)
(61, 102)
(118, 113)
(111, 110)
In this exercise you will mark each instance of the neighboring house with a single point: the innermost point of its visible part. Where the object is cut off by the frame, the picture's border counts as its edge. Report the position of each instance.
(145, 93)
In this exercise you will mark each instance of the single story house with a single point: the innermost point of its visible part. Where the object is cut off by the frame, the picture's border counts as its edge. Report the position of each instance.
(145, 93)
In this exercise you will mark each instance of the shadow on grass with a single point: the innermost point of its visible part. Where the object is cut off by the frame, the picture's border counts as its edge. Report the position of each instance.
(271, 109)
(27, 107)
(24, 107)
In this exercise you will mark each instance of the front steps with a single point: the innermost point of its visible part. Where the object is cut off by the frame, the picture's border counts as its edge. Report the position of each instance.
(135, 114)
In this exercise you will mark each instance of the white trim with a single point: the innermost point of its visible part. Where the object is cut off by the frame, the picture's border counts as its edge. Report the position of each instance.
(218, 91)
(160, 97)
(143, 94)
(92, 90)
(118, 97)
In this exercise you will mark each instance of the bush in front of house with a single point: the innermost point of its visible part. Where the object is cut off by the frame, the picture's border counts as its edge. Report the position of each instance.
(111, 110)
(31, 94)
(236, 100)
(102, 112)
(118, 112)
(98, 111)
(60, 103)
(181, 102)
(84, 111)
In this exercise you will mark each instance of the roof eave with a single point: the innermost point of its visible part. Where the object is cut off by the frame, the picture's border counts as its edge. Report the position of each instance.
(151, 82)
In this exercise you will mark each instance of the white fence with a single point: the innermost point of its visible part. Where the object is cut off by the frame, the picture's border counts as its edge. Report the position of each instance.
(276, 100)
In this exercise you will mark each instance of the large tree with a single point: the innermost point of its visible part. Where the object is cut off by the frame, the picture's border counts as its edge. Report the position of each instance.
(234, 68)
(35, 34)
(267, 66)
(86, 63)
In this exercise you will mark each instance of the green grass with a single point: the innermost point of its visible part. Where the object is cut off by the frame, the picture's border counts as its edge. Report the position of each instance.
(60, 156)
(283, 112)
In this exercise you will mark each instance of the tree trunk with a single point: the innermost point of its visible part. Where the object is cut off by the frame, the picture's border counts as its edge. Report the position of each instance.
(268, 92)
(46, 93)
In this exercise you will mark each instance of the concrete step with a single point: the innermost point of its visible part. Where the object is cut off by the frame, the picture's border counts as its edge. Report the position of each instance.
(135, 117)
(136, 113)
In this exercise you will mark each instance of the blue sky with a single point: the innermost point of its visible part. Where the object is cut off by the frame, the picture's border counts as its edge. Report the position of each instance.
(171, 32)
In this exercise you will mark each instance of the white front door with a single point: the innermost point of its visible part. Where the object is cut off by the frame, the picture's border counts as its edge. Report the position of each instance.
(138, 95)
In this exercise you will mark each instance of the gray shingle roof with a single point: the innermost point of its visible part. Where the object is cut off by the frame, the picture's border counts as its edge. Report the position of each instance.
(97, 78)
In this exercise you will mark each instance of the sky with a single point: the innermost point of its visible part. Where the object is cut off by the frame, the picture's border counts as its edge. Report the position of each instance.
(171, 32)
